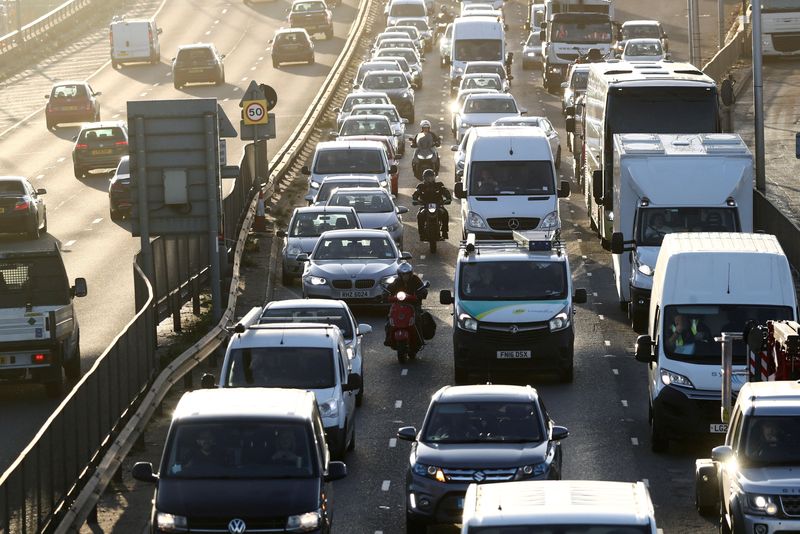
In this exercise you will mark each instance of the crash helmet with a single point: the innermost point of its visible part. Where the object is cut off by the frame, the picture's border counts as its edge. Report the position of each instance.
(428, 176)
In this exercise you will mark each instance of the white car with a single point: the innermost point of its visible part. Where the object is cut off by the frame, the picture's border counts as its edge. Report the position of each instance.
(361, 125)
(335, 312)
(319, 197)
(460, 154)
(389, 111)
(484, 109)
(374, 207)
(455, 105)
(643, 50)
(538, 122)
(482, 80)
(446, 45)
(361, 97)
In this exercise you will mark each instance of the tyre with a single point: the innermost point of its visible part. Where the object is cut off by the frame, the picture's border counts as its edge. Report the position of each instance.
(360, 394)
(72, 367)
(567, 375)
(638, 319)
(50, 124)
(114, 214)
(340, 447)
(114, 64)
(658, 441)
(402, 357)
(558, 158)
(79, 172)
(44, 228)
(415, 526)
(329, 34)
(460, 376)
(33, 233)
(352, 445)
(275, 63)
(312, 60)
(705, 510)
(286, 279)
(432, 246)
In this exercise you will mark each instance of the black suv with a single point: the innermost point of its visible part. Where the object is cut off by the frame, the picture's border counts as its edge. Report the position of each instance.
(311, 15)
(476, 434)
(243, 460)
(99, 145)
(198, 63)
(292, 45)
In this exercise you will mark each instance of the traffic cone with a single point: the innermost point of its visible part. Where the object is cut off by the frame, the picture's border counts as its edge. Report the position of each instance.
(260, 221)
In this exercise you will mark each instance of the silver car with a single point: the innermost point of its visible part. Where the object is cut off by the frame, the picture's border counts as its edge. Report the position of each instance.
(362, 97)
(351, 265)
(375, 209)
(335, 312)
(540, 122)
(305, 227)
(320, 196)
(484, 109)
(358, 125)
(389, 111)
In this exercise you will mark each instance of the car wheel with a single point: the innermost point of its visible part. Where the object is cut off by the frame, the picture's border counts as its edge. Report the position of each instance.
(329, 34)
(312, 59)
(44, 228)
(114, 64)
(352, 445)
(567, 375)
(33, 233)
(275, 63)
(114, 214)
(638, 319)
(658, 441)
(72, 367)
(177, 84)
(415, 526)
(286, 279)
(558, 158)
(79, 172)
(360, 394)
(50, 124)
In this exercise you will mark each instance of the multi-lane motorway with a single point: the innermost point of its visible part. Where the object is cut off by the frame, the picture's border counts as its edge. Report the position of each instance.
(605, 408)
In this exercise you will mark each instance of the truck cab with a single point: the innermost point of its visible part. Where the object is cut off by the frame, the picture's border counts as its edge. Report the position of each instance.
(513, 307)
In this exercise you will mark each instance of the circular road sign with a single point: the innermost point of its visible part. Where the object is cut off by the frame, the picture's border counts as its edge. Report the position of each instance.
(255, 112)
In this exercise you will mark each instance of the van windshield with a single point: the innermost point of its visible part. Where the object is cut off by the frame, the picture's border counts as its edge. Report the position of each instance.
(517, 280)
(408, 10)
(594, 528)
(281, 367)
(349, 161)
(477, 49)
(493, 178)
(37, 281)
(234, 449)
(653, 224)
(689, 330)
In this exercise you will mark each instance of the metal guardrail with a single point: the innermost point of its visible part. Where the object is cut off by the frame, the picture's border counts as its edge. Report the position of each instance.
(40, 28)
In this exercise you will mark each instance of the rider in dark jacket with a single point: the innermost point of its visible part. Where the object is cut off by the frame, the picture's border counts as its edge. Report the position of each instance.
(409, 283)
(429, 191)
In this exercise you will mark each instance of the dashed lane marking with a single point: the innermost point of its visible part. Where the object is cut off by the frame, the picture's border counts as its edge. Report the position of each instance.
(393, 443)
(398, 404)
(404, 372)
(40, 177)
(385, 485)
(601, 316)
(69, 243)
(607, 343)
(96, 221)
(635, 442)
(615, 371)
(624, 403)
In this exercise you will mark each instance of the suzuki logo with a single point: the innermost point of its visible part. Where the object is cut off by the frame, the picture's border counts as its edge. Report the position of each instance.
(479, 476)
(237, 526)
(513, 224)
(513, 329)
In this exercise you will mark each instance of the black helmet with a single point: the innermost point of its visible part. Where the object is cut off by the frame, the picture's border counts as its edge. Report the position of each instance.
(428, 176)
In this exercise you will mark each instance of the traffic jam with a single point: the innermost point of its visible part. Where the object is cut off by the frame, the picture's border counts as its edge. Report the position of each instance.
(668, 195)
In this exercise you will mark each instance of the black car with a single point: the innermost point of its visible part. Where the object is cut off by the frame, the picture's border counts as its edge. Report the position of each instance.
(395, 84)
(119, 190)
(292, 45)
(22, 209)
(99, 145)
(243, 460)
(198, 63)
(313, 16)
(483, 434)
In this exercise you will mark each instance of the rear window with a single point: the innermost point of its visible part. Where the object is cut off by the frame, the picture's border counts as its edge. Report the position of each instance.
(385, 81)
(352, 161)
(69, 91)
(282, 367)
(356, 100)
(36, 281)
(407, 10)
(314, 224)
(490, 105)
(11, 187)
(366, 127)
(102, 134)
(493, 69)
(195, 54)
(290, 38)
(303, 7)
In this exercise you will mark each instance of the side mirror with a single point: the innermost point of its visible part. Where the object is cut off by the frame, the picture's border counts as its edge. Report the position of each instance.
(98, 93)
(79, 289)
(305, 170)
(523, 111)
(282, 233)
(564, 85)
(332, 134)
(41, 191)
(454, 148)
(401, 210)
(336, 471)
(302, 257)
(207, 381)
(407, 433)
(445, 297)
(337, 110)
(580, 296)
(143, 471)
(458, 190)
(722, 453)
(393, 169)
(564, 190)
(569, 124)
(404, 120)
(354, 383)
(597, 185)
(308, 198)
(414, 85)
(668, 56)
(644, 349)
(559, 433)
(364, 329)
(510, 77)
(406, 256)
(617, 243)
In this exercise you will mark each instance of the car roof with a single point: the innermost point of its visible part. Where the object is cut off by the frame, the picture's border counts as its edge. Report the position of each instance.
(346, 145)
(486, 392)
(354, 118)
(290, 30)
(532, 120)
(356, 233)
(324, 209)
(103, 124)
(267, 335)
(641, 23)
(367, 94)
(221, 403)
(195, 45)
(491, 96)
(350, 178)
(305, 303)
(781, 397)
(375, 106)
(648, 40)
(12, 178)
(360, 190)
(480, 75)
(69, 82)
(482, 63)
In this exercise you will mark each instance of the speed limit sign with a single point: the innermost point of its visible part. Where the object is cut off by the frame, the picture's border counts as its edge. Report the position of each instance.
(255, 112)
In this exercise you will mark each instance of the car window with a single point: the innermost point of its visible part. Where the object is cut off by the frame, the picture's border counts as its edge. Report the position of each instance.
(643, 49)
(290, 38)
(650, 31)
(326, 315)
(366, 127)
(193, 55)
(355, 161)
(389, 113)
(281, 367)
(356, 100)
(366, 202)
(69, 91)
(37, 280)
(477, 422)
(385, 81)
(340, 248)
(310, 224)
(490, 105)
(302, 7)
(102, 135)
(11, 187)
(492, 69)
(407, 10)
(505, 281)
(481, 83)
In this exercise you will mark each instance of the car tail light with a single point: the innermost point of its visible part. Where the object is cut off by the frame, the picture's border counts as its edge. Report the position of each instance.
(87, 106)
(21, 205)
(118, 187)
(121, 143)
(39, 358)
(81, 146)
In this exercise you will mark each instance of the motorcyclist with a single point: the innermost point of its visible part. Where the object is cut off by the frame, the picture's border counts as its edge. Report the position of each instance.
(409, 283)
(425, 140)
(432, 192)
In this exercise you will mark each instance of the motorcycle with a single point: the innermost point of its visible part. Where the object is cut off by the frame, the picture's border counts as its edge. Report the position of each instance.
(403, 333)
(425, 157)
(429, 226)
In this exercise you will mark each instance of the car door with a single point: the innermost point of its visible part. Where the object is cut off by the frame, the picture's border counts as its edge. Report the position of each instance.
(348, 397)
(727, 471)
(552, 136)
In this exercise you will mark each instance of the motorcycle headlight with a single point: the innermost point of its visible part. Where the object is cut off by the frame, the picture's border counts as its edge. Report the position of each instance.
(329, 408)
(388, 280)
(171, 523)
(675, 379)
(761, 504)
(533, 470)
(475, 221)
(560, 321)
(316, 280)
(550, 220)
(304, 522)
(467, 322)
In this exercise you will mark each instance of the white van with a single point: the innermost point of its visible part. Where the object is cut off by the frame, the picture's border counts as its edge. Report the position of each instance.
(134, 40)
(705, 284)
(509, 183)
(475, 39)
(406, 9)
(575, 506)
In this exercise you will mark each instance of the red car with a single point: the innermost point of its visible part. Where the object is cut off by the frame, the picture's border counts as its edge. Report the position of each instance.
(390, 154)
(71, 101)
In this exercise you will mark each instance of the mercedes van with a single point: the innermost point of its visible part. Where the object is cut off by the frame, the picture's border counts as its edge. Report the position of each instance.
(134, 40)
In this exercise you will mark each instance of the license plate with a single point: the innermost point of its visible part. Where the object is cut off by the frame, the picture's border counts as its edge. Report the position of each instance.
(513, 354)
(196, 71)
(70, 108)
(101, 151)
(123, 53)
(2, 210)
(353, 294)
(718, 428)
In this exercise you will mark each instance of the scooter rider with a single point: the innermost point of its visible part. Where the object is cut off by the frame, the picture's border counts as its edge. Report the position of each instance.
(426, 138)
(409, 283)
(432, 192)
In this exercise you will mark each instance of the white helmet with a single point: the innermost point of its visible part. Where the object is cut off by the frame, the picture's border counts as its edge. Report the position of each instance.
(425, 124)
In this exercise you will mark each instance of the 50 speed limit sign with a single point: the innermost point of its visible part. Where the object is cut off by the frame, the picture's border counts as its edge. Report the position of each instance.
(255, 112)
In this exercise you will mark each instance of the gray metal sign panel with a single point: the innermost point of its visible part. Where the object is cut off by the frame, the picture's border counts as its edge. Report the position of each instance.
(174, 154)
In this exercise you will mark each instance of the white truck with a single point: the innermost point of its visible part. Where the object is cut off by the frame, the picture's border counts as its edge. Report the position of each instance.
(665, 183)
(39, 333)
(570, 29)
(780, 27)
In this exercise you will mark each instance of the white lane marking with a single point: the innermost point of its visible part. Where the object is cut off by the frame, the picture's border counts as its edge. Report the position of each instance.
(583, 256)
(143, 94)
(61, 159)
(572, 211)
(114, 116)
(208, 32)
(156, 84)
(385, 485)
(601, 316)
(594, 294)
(615, 371)
(224, 10)
(216, 21)
(607, 343)
(225, 99)
(398, 404)
(393, 443)
(404, 372)
(609, 356)
(40, 177)
(244, 79)
(624, 403)
(236, 89)
(69, 243)
(261, 58)
(96, 221)
(422, 256)
(580, 240)
(587, 274)
(635, 441)
(252, 68)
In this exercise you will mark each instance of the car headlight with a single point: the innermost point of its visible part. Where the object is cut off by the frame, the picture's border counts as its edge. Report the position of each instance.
(304, 522)
(316, 280)
(464, 124)
(670, 378)
(560, 321)
(405, 94)
(467, 322)
(171, 523)
(383, 183)
(314, 184)
(388, 280)
(394, 227)
(429, 471)
(761, 504)
(550, 220)
(329, 408)
(293, 250)
(644, 269)
(532, 470)
(475, 221)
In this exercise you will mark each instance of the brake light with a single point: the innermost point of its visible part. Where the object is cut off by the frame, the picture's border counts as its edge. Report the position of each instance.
(121, 143)
(118, 187)
(81, 146)
(87, 106)
(22, 205)
(39, 358)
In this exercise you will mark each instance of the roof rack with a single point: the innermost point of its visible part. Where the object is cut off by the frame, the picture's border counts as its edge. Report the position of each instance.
(533, 241)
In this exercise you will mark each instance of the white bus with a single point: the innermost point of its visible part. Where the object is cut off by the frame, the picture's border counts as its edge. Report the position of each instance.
(621, 97)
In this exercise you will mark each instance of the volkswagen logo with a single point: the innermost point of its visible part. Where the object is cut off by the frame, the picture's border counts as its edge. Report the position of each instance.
(479, 476)
(513, 224)
(237, 526)
(513, 329)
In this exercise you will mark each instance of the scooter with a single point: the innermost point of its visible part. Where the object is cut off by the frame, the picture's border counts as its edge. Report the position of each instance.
(404, 335)
(425, 157)
(429, 227)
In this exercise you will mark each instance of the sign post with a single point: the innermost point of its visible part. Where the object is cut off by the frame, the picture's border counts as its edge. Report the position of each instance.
(258, 124)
